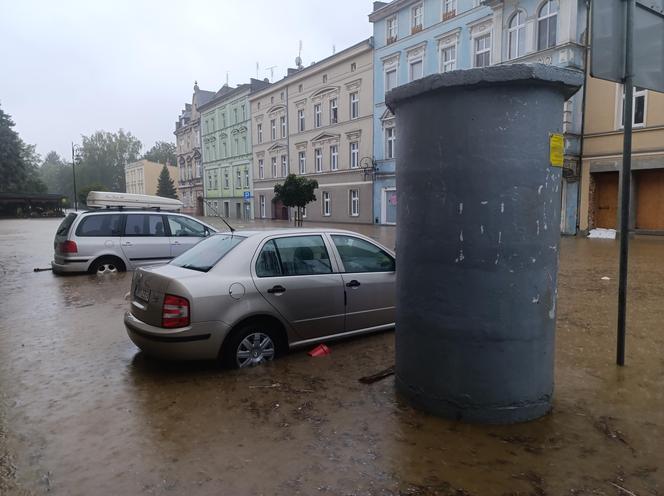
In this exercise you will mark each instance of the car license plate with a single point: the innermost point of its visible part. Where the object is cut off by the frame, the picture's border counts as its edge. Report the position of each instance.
(142, 293)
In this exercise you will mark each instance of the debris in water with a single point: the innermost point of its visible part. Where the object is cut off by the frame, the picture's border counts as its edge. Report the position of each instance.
(370, 379)
(606, 278)
(320, 350)
(601, 233)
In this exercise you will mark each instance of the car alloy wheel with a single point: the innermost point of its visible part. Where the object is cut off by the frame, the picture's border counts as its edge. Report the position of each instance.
(254, 349)
(107, 268)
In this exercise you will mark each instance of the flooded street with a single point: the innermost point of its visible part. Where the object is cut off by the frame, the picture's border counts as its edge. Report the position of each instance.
(83, 412)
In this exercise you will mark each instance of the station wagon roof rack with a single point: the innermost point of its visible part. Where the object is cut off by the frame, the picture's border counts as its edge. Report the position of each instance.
(131, 201)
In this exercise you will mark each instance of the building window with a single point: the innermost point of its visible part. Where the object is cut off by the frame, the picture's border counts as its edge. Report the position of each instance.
(237, 146)
(354, 202)
(482, 45)
(281, 96)
(271, 99)
(226, 180)
(317, 115)
(327, 207)
(416, 14)
(282, 122)
(244, 115)
(209, 180)
(390, 140)
(299, 88)
(324, 78)
(300, 120)
(334, 157)
(213, 127)
(448, 58)
(244, 144)
(259, 131)
(415, 69)
(235, 119)
(258, 106)
(333, 111)
(261, 169)
(274, 166)
(261, 202)
(246, 178)
(354, 105)
(391, 30)
(318, 155)
(547, 24)
(224, 151)
(449, 9)
(390, 79)
(273, 129)
(354, 155)
(638, 109)
(284, 166)
(302, 160)
(353, 67)
(223, 119)
(238, 178)
(517, 35)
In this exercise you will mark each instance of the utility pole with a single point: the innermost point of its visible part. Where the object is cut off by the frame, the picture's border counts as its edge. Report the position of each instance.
(74, 149)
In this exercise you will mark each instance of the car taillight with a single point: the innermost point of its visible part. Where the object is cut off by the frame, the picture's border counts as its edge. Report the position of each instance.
(174, 312)
(68, 247)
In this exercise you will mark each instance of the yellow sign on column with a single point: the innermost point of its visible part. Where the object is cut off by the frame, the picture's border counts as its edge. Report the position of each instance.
(556, 149)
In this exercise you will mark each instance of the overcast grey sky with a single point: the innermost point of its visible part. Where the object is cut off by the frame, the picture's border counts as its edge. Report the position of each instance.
(69, 68)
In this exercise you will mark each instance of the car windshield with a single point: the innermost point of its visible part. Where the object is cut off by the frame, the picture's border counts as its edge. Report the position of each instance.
(207, 253)
(66, 223)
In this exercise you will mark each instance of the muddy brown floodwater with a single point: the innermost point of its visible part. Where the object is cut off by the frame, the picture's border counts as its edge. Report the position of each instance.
(83, 412)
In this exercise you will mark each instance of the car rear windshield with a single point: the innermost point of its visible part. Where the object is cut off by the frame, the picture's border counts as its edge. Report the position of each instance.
(66, 223)
(207, 253)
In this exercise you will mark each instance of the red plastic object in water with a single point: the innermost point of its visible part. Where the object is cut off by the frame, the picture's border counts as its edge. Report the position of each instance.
(320, 350)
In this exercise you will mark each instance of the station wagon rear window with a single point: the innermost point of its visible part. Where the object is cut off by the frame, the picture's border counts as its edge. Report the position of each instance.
(100, 225)
(66, 223)
(208, 253)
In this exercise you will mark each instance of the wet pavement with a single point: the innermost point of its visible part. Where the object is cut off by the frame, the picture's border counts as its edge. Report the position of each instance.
(82, 411)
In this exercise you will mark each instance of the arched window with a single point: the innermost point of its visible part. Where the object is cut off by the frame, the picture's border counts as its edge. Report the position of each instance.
(517, 35)
(547, 23)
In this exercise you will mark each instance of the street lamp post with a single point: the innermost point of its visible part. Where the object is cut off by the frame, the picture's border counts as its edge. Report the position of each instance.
(74, 150)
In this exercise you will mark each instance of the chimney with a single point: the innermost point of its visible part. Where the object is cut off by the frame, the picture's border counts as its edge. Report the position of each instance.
(378, 5)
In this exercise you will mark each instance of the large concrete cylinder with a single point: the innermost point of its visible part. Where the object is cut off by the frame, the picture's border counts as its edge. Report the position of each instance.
(478, 229)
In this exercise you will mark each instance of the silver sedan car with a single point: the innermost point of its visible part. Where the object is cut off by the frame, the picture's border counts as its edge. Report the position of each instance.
(248, 296)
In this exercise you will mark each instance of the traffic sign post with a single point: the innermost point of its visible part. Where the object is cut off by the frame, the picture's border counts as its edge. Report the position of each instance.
(247, 196)
(615, 57)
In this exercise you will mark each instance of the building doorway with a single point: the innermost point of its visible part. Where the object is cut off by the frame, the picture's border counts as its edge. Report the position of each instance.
(606, 199)
(388, 213)
(650, 199)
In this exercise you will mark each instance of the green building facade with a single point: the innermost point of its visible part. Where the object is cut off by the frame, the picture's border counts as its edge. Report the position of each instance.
(227, 153)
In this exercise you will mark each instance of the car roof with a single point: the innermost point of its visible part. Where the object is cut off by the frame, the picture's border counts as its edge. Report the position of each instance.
(290, 230)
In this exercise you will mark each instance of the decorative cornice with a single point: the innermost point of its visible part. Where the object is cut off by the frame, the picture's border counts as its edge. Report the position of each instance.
(353, 135)
(392, 59)
(302, 145)
(326, 138)
(300, 103)
(353, 85)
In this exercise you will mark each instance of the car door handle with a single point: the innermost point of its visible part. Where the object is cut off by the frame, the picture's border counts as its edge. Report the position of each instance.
(175, 243)
(353, 284)
(276, 289)
(126, 243)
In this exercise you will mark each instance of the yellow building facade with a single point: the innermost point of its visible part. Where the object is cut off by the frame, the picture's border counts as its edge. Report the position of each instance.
(602, 158)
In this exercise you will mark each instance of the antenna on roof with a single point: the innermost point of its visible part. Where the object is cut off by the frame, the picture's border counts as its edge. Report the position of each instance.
(226, 78)
(271, 69)
(334, 49)
(298, 59)
(209, 205)
(256, 70)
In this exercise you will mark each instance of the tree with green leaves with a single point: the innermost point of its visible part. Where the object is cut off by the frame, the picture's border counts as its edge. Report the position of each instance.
(162, 153)
(19, 162)
(104, 156)
(296, 192)
(83, 192)
(57, 175)
(165, 185)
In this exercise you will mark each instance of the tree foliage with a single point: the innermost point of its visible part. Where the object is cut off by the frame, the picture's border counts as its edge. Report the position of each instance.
(83, 192)
(165, 185)
(19, 162)
(57, 175)
(297, 191)
(162, 153)
(104, 156)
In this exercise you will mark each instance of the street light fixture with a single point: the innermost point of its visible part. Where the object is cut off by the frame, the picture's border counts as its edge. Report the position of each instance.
(75, 153)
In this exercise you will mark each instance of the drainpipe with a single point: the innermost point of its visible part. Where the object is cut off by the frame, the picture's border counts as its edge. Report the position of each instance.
(586, 70)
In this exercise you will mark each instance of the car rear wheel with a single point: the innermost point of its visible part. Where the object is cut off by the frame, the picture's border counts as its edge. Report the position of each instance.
(107, 265)
(251, 345)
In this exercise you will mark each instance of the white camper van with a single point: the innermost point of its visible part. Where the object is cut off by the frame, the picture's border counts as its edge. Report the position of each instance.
(122, 231)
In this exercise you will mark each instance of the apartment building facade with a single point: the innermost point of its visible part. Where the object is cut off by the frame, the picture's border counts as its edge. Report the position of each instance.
(602, 158)
(416, 38)
(227, 151)
(317, 122)
(142, 176)
(189, 180)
